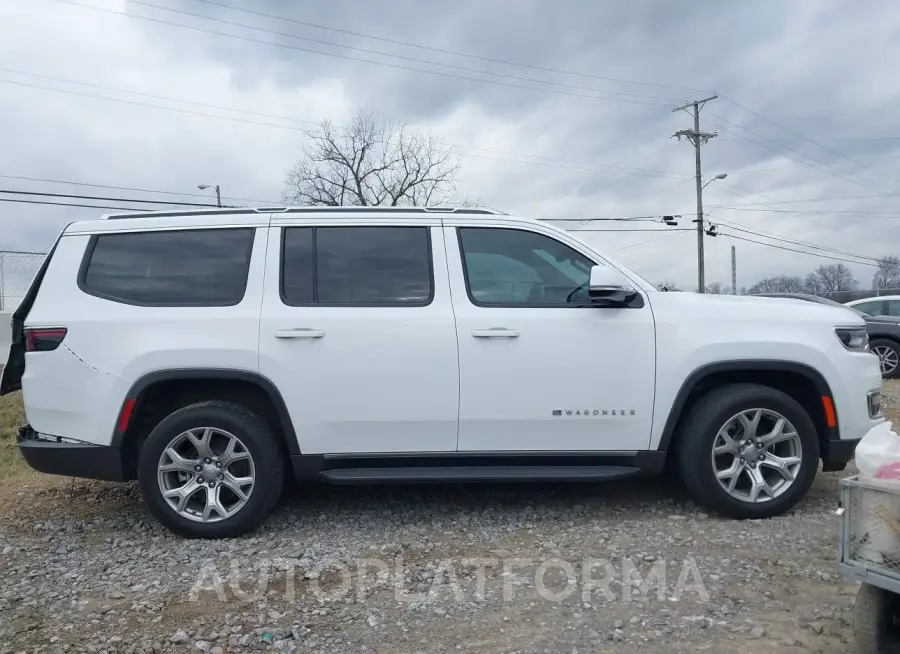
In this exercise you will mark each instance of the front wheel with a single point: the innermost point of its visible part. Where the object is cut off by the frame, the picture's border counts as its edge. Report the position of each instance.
(211, 470)
(748, 451)
(888, 353)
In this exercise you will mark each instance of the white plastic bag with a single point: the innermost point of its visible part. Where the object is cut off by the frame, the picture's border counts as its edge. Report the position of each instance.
(880, 447)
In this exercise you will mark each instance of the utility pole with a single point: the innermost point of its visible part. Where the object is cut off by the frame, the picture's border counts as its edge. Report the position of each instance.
(697, 138)
(733, 271)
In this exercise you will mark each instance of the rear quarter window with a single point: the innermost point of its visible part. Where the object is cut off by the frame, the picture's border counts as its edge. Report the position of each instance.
(200, 267)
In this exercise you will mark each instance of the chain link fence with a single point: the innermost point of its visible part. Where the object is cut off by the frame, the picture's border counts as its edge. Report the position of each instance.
(17, 269)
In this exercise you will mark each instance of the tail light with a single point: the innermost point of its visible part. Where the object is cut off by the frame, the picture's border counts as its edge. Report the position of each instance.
(44, 339)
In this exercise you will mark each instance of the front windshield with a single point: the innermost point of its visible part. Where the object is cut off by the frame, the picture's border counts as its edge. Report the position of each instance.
(825, 300)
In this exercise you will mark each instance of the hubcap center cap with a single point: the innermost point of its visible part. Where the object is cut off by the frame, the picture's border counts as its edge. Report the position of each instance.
(210, 471)
(749, 453)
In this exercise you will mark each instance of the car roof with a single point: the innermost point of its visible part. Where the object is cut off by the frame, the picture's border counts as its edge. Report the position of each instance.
(872, 299)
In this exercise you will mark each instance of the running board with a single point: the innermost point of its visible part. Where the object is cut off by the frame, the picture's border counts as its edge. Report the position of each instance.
(462, 474)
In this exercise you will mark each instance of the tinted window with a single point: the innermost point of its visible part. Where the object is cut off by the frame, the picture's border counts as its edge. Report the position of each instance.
(510, 267)
(205, 267)
(357, 266)
(297, 276)
(893, 307)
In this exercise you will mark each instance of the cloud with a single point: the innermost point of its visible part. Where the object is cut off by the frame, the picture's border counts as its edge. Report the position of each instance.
(812, 68)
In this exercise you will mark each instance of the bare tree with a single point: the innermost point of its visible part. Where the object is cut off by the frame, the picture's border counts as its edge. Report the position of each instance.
(668, 285)
(831, 278)
(813, 285)
(777, 284)
(369, 162)
(888, 274)
(717, 288)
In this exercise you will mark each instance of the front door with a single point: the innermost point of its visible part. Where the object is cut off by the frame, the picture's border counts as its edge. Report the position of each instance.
(539, 370)
(357, 333)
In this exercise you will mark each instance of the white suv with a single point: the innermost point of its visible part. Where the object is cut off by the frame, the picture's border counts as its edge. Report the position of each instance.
(211, 354)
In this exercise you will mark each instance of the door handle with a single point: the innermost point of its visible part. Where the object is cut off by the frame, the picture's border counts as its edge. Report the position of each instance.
(495, 332)
(299, 332)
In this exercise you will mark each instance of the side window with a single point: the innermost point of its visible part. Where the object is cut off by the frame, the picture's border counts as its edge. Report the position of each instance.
(893, 308)
(199, 267)
(512, 267)
(357, 266)
(874, 308)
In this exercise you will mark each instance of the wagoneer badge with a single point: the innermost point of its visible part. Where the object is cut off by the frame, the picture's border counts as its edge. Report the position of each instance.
(595, 413)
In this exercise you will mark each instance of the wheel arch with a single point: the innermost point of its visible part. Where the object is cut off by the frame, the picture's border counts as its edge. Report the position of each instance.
(801, 381)
(893, 338)
(890, 338)
(161, 391)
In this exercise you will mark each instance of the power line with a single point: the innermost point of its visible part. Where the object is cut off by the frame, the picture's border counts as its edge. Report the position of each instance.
(804, 138)
(833, 198)
(130, 188)
(68, 204)
(155, 97)
(813, 212)
(745, 192)
(451, 52)
(785, 239)
(390, 54)
(676, 229)
(108, 199)
(646, 172)
(650, 240)
(811, 254)
(358, 59)
(860, 181)
(604, 167)
(145, 104)
(656, 219)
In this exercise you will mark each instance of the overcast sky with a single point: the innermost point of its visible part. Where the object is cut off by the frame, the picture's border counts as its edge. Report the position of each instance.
(807, 111)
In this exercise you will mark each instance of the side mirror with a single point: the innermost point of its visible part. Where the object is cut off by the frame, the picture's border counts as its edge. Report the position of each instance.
(607, 287)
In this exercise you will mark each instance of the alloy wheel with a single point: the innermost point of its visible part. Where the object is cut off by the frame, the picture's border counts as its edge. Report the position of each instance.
(206, 474)
(887, 357)
(757, 455)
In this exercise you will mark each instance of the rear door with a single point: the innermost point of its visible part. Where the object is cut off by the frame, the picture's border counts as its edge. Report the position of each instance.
(11, 379)
(357, 332)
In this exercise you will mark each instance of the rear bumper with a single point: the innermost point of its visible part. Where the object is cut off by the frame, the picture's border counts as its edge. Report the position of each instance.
(837, 452)
(71, 459)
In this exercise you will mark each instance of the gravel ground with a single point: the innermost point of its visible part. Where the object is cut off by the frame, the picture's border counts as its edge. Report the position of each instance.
(425, 569)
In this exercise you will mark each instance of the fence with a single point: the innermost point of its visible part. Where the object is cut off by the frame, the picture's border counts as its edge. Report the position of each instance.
(17, 269)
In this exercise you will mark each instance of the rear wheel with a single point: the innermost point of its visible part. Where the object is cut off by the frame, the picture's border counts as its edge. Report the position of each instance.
(888, 353)
(211, 470)
(748, 451)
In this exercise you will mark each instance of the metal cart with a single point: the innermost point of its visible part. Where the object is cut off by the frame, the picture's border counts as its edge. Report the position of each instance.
(869, 552)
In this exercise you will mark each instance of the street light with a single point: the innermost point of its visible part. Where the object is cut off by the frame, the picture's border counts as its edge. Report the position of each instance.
(710, 181)
(203, 187)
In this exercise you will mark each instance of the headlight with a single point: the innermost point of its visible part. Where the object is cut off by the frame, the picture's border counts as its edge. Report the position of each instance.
(853, 338)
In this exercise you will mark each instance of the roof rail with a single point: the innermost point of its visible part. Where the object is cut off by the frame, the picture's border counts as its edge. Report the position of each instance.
(306, 210)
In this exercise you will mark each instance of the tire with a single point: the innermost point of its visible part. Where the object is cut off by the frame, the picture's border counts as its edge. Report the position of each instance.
(892, 351)
(875, 626)
(257, 456)
(699, 433)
